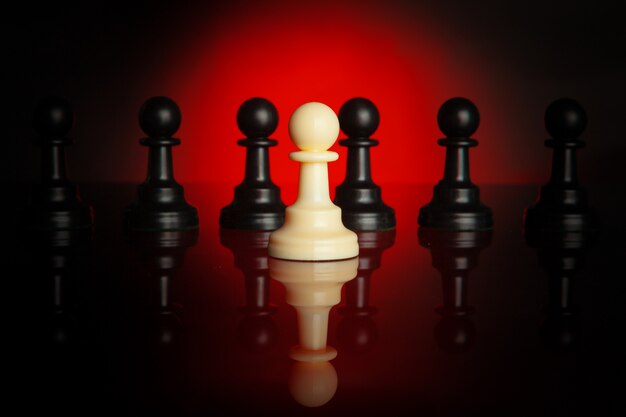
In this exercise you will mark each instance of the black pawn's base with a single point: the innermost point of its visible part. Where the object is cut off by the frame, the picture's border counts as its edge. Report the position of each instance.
(561, 210)
(58, 208)
(456, 209)
(374, 218)
(154, 219)
(476, 218)
(541, 219)
(254, 209)
(363, 209)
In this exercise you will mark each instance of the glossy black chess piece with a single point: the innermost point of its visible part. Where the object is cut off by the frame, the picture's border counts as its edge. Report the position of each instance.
(357, 330)
(360, 199)
(257, 330)
(162, 254)
(257, 204)
(56, 204)
(454, 255)
(160, 204)
(562, 204)
(456, 201)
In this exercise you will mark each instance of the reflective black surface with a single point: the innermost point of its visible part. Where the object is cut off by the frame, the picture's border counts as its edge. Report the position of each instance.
(109, 324)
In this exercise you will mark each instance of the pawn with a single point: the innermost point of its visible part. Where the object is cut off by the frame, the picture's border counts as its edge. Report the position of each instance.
(313, 230)
(257, 204)
(56, 204)
(562, 204)
(454, 255)
(360, 199)
(160, 203)
(456, 201)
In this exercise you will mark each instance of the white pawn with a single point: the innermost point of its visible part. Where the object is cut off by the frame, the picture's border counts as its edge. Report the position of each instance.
(313, 230)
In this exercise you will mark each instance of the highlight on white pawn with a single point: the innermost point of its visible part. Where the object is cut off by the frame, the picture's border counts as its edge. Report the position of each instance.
(313, 230)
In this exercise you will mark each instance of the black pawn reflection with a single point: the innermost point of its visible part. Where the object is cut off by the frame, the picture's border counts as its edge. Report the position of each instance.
(61, 259)
(562, 256)
(454, 255)
(257, 330)
(357, 330)
(162, 254)
(56, 203)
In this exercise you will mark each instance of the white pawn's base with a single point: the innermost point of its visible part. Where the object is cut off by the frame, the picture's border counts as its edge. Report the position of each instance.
(313, 234)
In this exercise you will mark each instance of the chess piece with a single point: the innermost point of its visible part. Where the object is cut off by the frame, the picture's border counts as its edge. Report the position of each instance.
(257, 331)
(162, 254)
(456, 200)
(313, 230)
(357, 331)
(56, 204)
(160, 203)
(454, 255)
(257, 204)
(562, 203)
(313, 288)
(360, 199)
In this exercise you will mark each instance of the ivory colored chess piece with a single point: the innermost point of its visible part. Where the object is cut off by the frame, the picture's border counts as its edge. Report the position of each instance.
(313, 288)
(313, 230)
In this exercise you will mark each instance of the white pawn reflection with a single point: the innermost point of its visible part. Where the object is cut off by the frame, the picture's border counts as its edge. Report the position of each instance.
(313, 288)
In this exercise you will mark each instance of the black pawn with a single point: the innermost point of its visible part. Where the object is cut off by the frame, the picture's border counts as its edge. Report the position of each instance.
(562, 204)
(360, 199)
(257, 204)
(56, 204)
(456, 201)
(160, 204)
(454, 255)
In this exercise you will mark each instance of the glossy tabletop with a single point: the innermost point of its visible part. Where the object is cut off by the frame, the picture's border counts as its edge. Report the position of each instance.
(433, 324)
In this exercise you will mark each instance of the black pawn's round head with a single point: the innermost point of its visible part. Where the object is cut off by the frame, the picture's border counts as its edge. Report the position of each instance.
(257, 118)
(359, 118)
(53, 117)
(159, 117)
(458, 118)
(565, 119)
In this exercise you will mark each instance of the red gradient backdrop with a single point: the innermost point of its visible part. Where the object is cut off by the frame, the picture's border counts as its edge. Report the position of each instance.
(292, 53)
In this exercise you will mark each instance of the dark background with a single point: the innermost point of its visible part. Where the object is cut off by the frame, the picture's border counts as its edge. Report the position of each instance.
(511, 58)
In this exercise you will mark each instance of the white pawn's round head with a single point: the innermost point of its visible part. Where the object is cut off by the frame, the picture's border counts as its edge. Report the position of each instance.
(314, 127)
